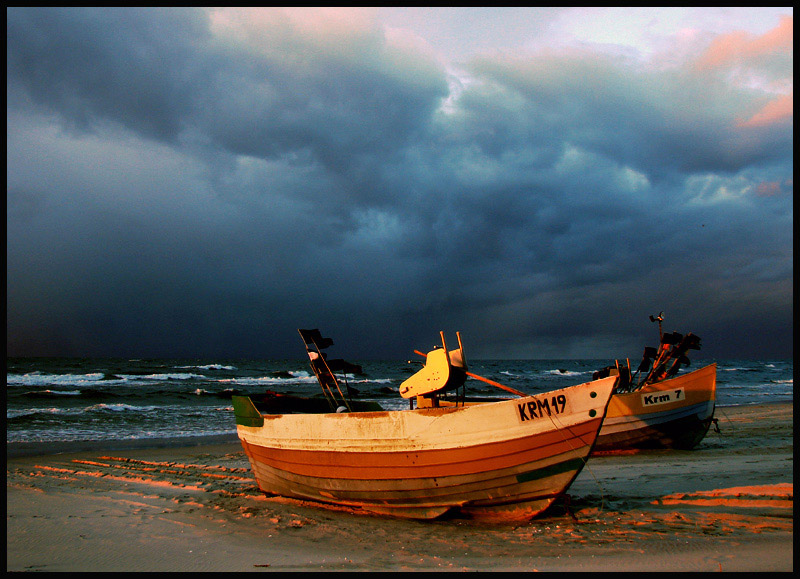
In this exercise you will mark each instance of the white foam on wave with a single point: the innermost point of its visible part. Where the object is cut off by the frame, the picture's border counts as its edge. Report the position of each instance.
(39, 379)
(49, 392)
(16, 413)
(169, 376)
(560, 372)
(300, 376)
(117, 407)
(210, 367)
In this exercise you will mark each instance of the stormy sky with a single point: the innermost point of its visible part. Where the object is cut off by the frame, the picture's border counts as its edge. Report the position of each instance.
(203, 182)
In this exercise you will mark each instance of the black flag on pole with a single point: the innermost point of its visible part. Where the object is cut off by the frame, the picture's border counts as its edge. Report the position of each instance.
(314, 337)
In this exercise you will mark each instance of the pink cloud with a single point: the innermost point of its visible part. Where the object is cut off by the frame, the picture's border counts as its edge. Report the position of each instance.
(749, 58)
(739, 46)
(768, 189)
(774, 188)
(774, 111)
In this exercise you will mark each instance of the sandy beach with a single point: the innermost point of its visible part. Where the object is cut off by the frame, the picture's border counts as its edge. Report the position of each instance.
(725, 506)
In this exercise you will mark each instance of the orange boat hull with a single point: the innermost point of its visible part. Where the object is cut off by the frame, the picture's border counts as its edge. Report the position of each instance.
(674, 413)
(503, 460)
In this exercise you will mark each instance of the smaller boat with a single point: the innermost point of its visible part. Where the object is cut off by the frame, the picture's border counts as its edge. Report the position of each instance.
(656, 407)
(506, 460)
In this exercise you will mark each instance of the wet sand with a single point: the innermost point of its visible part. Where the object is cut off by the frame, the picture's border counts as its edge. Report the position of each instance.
(727, 505)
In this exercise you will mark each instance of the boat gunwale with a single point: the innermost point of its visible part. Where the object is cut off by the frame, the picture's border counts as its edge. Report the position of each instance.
(409, 428)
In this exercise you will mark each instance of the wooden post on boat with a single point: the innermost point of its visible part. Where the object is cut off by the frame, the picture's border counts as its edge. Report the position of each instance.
(326, 389)
(444, 345)
(335, 381)
(464, 362)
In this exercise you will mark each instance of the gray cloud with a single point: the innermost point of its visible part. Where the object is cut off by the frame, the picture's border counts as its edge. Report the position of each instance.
(175, 190)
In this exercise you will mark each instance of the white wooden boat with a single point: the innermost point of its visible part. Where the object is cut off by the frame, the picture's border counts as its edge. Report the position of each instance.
(500, 460)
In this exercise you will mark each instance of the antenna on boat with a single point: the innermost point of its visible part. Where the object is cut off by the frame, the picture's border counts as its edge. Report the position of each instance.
(659, 318)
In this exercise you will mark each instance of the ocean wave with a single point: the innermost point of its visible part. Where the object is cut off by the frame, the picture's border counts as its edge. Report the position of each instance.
(40, 379)
(168, 376)
(49, 393)
(369, 380)
(299, 377)
(17, 414)
(210, 367)
(563, 372)
(225, 393)
(96, 378)
(27, 413)
(122, 408)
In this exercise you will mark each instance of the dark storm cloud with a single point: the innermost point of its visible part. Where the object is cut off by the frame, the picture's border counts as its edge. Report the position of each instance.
(131, 66)
(183, 182)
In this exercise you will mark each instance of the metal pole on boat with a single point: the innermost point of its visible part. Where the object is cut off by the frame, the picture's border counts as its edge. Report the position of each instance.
(659, 318)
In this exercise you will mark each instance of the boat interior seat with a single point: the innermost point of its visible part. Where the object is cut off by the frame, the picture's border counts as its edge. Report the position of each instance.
(443, 370)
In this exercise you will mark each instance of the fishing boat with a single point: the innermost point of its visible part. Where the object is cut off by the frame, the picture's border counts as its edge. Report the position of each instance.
(503, 460)
(656, 407)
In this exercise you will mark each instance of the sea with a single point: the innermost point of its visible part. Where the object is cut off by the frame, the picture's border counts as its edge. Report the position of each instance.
(64, 404)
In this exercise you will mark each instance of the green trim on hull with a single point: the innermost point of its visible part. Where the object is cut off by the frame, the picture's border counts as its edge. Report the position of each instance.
(245, 411)
(558, 468)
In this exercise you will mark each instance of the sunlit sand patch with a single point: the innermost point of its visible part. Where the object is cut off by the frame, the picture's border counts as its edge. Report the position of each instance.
(51, 469)
(778, 496)
(729, 512)
(174, 464)
(126, 478)
(180, 476)
(170, 468)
